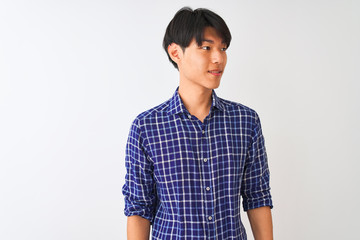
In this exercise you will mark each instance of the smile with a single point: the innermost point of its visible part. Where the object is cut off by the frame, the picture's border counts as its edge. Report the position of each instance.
(215, 72)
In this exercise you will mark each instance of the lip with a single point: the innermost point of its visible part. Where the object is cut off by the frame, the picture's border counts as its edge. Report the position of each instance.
(215, 72)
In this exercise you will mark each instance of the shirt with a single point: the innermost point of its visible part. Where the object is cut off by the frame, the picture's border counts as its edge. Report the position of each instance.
(187, 177)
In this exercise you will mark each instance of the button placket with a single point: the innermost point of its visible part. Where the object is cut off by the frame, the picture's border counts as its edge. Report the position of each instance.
(207, 176)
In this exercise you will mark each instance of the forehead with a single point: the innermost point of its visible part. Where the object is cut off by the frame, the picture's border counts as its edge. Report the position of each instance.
(212, 36)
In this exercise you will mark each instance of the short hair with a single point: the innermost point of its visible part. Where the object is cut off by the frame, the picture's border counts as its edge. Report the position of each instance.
(188, 24)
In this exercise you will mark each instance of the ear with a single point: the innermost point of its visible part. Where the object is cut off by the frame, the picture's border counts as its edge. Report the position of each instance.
(175, 52)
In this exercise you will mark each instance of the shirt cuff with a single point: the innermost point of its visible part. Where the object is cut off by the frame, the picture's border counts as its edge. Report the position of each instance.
(260, 199)
(132, 209)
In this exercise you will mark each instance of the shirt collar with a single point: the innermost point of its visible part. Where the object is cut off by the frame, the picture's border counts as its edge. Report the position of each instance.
(177, 106)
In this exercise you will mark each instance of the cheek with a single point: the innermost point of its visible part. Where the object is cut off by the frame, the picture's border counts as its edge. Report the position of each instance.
(203, 62)
(199, 63)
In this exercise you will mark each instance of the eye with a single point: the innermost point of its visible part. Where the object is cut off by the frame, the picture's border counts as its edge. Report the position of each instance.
(205, 47)
(224, 49)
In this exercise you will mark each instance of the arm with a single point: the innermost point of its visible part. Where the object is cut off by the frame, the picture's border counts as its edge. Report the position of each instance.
(139, 188)
(138, 228)
(256, 187)
(261, 223)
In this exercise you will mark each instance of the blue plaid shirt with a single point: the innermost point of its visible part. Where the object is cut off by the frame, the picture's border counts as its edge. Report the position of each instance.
(187, 176)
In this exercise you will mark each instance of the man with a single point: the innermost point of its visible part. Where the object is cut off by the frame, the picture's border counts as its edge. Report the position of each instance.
(190, 159)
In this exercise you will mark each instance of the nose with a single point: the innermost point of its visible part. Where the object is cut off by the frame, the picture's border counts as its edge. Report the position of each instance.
(218, 56)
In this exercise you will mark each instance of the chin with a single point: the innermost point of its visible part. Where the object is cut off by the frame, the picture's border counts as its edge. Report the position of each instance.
(215, 85)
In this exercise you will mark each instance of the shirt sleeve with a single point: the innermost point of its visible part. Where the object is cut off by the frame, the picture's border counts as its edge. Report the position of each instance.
(139, 188)
(256, 180)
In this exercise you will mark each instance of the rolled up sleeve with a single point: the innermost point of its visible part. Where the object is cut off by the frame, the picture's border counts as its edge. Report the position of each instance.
(256, 180)
(139, 188)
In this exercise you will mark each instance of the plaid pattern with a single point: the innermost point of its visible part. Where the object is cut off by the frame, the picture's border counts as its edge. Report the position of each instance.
(187, 177)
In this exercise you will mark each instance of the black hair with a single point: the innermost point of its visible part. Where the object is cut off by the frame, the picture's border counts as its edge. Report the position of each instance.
(188, 24)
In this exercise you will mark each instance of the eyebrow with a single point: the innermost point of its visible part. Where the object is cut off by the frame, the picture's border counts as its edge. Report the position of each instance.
(211, 41)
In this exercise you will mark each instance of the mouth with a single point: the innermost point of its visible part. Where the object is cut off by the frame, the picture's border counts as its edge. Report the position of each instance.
(215, 72)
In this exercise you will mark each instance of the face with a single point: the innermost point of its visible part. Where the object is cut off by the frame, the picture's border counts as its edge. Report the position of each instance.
(203, 66)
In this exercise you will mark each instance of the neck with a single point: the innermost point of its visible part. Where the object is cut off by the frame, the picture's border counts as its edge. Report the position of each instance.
(197, 100)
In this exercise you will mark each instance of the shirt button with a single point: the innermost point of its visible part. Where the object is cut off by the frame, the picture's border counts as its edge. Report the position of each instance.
(189, 116)
(203, 131)
(210, 218)
(205, 160)
(207, 188)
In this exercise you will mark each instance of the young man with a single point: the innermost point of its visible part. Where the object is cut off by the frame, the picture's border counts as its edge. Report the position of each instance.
(190, 159)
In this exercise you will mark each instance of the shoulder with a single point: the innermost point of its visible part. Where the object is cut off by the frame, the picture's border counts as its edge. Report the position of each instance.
(155, 113)
(238, 109)
(244, 116)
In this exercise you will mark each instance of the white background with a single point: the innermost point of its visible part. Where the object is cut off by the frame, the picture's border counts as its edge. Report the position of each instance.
(74, 74)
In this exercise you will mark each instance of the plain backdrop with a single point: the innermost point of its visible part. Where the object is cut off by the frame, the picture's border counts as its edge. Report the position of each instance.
(75, 73)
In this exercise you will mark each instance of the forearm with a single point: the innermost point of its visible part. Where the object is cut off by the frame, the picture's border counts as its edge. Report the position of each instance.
(261, 223)
(138, 228)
